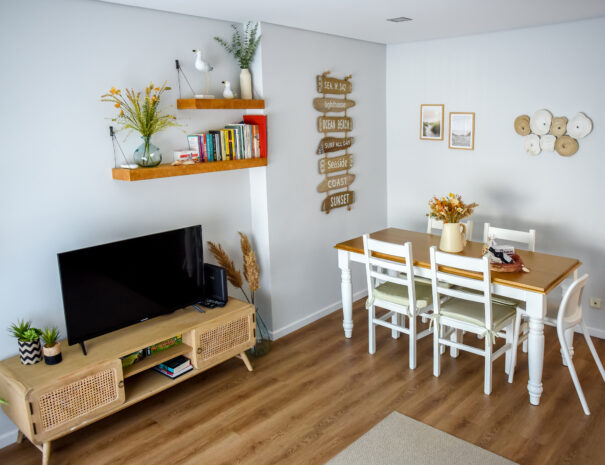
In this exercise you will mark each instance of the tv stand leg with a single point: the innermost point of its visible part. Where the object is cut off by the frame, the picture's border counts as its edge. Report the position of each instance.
(244, 357)
(83, 348)
(46, 453)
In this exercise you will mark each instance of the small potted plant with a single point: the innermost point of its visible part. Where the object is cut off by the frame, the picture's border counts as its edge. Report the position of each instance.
(52, 347)
(242, 47)
(28, 339)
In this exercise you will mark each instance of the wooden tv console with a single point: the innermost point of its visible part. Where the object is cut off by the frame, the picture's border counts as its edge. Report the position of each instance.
(47, 402)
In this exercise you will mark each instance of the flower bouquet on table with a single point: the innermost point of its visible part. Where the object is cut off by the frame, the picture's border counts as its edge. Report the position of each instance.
(451, 210)
(141, 113)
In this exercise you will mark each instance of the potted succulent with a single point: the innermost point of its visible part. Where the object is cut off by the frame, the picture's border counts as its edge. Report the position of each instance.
(242, 47)
(52, 347)
(28, 339)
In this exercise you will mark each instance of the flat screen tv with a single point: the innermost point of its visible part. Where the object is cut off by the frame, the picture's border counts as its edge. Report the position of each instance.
(111, 286)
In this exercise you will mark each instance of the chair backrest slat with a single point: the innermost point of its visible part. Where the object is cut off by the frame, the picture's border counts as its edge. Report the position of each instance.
(403, 272)
(462, 263)
(523, 237)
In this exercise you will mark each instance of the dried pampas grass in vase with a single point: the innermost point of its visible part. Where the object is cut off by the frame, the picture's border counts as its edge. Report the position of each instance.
(252, 277)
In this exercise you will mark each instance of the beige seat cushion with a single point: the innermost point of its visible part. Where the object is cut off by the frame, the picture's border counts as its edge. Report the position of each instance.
(497, 299)
(474, 312)
(398, 294)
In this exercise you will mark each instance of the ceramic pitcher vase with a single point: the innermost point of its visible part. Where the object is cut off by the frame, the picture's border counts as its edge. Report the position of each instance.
(453, 237)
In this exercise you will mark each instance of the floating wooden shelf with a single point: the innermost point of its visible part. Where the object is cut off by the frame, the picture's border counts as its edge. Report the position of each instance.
(166, 171)
(152, 360)
(219, 104)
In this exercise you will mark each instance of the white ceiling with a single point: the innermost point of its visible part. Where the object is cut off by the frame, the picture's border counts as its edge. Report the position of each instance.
(366, 20)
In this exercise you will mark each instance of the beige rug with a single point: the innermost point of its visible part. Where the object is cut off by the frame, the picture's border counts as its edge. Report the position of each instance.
(401, 440)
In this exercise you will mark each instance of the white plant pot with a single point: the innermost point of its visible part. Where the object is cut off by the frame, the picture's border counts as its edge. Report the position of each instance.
(245, 84)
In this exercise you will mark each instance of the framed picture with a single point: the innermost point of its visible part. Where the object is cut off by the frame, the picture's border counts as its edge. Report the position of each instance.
(431, 122)
(462, 131)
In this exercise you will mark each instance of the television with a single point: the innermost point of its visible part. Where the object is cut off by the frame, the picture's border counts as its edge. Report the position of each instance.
(111, 286)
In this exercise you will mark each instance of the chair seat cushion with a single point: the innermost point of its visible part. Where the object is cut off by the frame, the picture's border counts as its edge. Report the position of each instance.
(427, 281)
(474, 312)
(398, 294)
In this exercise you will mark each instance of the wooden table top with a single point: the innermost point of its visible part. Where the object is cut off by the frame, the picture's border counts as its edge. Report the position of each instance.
(546, 271)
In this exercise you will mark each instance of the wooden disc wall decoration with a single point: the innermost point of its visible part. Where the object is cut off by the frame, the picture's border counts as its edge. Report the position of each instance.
(522, 125)
(339, 164)
(566, 146)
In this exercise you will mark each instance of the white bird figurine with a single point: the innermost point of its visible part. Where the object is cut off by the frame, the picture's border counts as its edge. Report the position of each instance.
(205, 68)
(227, 92)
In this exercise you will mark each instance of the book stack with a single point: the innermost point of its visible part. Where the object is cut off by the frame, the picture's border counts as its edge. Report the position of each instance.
(238, 141)
(174, 367)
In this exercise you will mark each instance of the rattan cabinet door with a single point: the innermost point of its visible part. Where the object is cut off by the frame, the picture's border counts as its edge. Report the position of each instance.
(76, 400)
(225, 339)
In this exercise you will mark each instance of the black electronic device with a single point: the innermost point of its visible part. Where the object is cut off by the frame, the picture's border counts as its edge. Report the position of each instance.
(215, 286)
(110, 286)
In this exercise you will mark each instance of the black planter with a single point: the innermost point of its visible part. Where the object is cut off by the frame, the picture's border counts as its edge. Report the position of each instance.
(53, 359)
(30, 352)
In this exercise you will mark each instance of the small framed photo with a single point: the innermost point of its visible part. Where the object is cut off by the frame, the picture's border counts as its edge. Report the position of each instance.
(431, 122)
(462, 131)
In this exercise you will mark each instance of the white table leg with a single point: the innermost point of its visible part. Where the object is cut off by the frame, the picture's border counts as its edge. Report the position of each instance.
(536, 308)
(346, 290)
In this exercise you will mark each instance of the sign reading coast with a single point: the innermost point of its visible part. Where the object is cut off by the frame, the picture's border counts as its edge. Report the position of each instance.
(333, 144)
(336, 182)
(340, 199)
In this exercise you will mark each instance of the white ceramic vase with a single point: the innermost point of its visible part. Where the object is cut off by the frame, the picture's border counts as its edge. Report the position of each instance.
(245, 84)
(453, 237)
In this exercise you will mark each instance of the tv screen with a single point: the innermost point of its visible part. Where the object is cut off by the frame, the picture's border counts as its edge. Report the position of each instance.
(110, 286)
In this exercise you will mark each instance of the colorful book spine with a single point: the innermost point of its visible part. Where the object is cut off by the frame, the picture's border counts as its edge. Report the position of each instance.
(210, 146)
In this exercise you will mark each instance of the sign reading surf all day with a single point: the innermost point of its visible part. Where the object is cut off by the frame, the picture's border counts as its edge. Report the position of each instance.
(335, 169)
(333, 144)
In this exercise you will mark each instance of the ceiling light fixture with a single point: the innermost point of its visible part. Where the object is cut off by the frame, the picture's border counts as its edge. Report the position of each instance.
(400, 19)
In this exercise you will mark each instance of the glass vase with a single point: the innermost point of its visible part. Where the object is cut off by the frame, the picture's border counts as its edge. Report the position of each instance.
(147, 155)
(263, 343)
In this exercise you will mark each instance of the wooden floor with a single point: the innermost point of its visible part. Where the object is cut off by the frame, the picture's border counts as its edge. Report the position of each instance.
(317, 392)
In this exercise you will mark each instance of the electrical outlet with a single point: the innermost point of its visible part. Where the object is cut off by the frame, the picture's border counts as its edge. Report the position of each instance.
(595, 302)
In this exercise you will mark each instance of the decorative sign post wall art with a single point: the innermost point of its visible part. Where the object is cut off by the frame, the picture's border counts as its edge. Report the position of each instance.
(335, 168)
(545, 133)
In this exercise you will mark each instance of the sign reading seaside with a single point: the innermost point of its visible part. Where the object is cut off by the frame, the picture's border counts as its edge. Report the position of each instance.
(340, 164)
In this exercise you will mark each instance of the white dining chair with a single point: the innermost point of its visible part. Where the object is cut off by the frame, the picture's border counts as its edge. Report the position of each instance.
(568, 317)
(527, 238)
(395, 291)
(433, 223)
(470, 308)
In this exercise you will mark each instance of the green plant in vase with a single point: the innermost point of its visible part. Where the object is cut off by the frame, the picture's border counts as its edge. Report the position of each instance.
(243, 47)
(140, 112)
(28, 339)
(52, 346)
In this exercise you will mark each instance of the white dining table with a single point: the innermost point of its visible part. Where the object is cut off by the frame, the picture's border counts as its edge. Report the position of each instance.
(546, 273)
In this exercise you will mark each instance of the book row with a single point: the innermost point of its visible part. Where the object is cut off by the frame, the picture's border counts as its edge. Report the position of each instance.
(236, 141)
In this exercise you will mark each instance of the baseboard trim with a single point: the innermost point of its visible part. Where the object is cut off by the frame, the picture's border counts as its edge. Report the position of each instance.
(289, 328)
(594, 332)
(8, 438)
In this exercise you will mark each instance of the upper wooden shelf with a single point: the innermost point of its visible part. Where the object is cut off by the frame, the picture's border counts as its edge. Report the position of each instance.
(219, 104)
(166, 171)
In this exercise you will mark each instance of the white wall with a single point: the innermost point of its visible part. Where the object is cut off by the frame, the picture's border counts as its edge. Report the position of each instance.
(500, 76)
(56, 190)
(304, 275)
